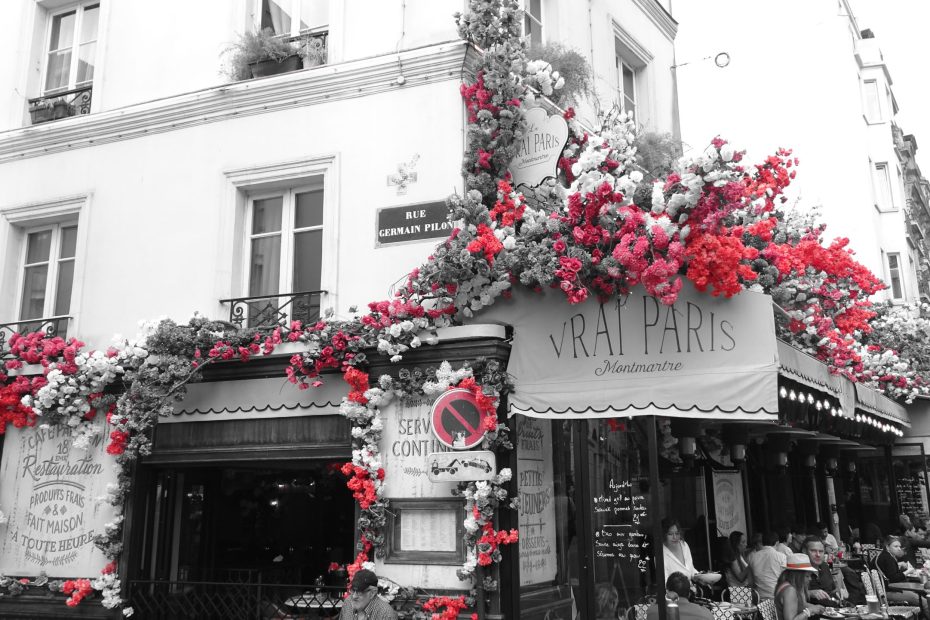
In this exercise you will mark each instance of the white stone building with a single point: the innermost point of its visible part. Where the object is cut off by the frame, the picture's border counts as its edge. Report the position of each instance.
(805, 76)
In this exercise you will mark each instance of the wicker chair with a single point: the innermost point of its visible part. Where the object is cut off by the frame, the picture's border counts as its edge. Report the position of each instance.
(741, 595)
(867, 583)
(637, 612)
(767, 609)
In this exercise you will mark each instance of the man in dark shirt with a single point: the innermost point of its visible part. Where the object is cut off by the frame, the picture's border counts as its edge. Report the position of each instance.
(681, 585)
(822, 588)
(890, 563)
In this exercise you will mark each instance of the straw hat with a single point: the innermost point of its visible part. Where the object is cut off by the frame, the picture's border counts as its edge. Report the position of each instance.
(799, 561)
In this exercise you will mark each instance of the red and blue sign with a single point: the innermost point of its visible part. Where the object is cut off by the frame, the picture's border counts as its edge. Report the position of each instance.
(458, 422)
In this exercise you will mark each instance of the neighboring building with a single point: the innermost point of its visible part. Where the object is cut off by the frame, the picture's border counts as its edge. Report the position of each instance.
(916, 210)
(836, 114)
(137, 182)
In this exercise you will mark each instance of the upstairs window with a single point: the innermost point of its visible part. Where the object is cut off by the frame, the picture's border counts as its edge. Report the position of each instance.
(626, 85)
(71, 49)
(292, 18)
(882, 187)
(532, 22)
(48, 272)
(873, 105)
(286, 252)
(894, 276)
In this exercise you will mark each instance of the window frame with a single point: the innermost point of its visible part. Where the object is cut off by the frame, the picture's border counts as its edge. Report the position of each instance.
(879, 116)
(295, 31)
(621, 63)
(884, 201)
(79, 8)
(895, 273)
(288, 232)
(526, 7)
(50, 300)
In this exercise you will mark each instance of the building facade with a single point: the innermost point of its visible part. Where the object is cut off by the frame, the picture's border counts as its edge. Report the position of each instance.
(140, 182)
(836, 115)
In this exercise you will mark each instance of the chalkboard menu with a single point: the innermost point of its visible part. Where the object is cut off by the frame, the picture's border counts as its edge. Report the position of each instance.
(624, 512)
(910, 490)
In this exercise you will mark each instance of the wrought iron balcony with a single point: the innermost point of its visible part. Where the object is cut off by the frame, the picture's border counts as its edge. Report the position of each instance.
(270, 311)
(52, 107)
(52, 326)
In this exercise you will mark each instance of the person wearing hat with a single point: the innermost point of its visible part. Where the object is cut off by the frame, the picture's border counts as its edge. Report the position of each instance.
(363, 602)
(791, 592)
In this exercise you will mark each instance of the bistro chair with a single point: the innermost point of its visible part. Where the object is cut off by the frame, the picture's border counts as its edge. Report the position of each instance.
(767, 609)
(637, 612)
(869, 554)
(741, 595)
(878, 581)
(867, 583)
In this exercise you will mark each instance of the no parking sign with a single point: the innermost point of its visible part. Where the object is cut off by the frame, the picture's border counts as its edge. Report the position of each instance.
(458, 422)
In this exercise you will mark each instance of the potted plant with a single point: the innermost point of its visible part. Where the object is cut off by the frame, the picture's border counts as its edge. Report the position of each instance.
(257, 54)
(50, 110)
(313, 52)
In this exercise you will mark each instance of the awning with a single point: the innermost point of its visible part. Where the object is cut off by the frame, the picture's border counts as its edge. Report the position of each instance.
(257, 398)
(702, 357)
(801, 367)
(880, 405)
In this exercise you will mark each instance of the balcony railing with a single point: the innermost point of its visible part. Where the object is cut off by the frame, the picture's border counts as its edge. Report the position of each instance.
(210, 600)
(52, 107)
(52, 326)
(270, 311)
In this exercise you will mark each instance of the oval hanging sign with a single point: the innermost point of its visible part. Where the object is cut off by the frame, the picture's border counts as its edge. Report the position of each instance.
(457, 420)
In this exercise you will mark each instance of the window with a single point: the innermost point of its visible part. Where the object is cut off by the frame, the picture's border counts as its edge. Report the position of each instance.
(626, 85)
(48, 272)
(882, 187)
(294, 17)
(285, 251)
(873, 106)
(71, 49)
(532, 21)
(894, 276)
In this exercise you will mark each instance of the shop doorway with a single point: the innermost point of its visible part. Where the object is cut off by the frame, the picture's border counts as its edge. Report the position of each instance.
(241, 541)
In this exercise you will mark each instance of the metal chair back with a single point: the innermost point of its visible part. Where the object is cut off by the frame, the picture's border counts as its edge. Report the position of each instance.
(741, 595)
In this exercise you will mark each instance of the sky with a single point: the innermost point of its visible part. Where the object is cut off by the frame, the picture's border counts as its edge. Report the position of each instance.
(901, 29)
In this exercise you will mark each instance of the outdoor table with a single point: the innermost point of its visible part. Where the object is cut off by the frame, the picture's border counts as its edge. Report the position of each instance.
(908, 585)
(732, 611)
(310, 601)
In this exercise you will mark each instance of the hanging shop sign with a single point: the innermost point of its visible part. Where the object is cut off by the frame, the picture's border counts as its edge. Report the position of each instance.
(458, 422)
(539, 150)
(728, 502)
(428, 220)
(701, 356)
(461, 466)
(49, 492)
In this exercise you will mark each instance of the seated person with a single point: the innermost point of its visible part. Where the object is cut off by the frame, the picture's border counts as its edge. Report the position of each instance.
(767, 565)
(607, 598)
(822, 588)
(736, 565)
(829, 540)
(678, 584)
(791, 592)
(891, 567)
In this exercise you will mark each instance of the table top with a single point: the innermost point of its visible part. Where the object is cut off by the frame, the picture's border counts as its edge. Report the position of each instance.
(907, 585)
(313, 601)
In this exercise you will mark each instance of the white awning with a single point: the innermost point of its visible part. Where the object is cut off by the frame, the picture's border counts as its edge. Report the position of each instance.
(701, 357)
(880, 405)
(241, 399)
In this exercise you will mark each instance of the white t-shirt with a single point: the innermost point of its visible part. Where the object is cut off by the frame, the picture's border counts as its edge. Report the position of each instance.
(674, 565)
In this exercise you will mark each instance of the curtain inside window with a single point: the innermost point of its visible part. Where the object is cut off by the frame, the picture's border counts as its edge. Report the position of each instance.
(275, 17)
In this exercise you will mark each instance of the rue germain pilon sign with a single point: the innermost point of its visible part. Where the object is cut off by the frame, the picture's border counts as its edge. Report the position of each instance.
(417, 222)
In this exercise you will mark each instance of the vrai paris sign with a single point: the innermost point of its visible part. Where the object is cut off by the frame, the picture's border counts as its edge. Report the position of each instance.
(49, 490)
(539, 150)
(702, 356)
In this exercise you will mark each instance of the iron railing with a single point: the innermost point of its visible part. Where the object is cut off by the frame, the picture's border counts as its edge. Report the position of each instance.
(52, 326)
(212, 600)
(54, 106)
(270, 311)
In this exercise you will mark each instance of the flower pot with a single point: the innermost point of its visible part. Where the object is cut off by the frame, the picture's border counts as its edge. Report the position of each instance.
(272, 67)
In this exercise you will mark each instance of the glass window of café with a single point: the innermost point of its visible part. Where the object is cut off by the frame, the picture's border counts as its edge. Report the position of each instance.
(586, 515)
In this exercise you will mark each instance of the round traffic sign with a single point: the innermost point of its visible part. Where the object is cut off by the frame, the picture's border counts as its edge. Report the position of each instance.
(458, 422)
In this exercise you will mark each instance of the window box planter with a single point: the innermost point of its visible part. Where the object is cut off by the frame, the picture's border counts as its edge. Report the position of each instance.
(265, 68)
(50, 111)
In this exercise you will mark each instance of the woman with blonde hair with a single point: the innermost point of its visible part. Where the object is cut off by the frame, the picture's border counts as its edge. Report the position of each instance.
(791, 590)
